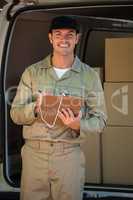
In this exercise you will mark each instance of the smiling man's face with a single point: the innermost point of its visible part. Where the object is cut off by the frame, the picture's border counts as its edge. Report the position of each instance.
(63, 41)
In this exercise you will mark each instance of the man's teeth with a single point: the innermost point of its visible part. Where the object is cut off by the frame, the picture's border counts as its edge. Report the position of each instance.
(63, 45)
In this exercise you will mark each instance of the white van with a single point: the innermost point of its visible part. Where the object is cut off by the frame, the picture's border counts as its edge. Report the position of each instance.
(106, 44)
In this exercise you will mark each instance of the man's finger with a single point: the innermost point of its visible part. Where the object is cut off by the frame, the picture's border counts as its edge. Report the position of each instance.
(80, 114)
(66, 113)
(71, 114)
(61, 116)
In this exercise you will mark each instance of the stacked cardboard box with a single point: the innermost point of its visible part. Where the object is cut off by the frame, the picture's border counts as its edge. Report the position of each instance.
(117, 139)
(117, 144)
(119, 59)
(91, 149)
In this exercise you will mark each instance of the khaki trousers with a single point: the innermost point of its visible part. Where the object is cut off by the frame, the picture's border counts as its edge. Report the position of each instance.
(51, 171)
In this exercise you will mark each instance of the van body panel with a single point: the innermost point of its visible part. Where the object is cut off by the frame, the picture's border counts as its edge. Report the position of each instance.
(4, 24)
(23, 41)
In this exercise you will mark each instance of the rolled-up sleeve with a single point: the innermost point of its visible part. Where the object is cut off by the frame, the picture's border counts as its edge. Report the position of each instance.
(22, 109)
(95, 115)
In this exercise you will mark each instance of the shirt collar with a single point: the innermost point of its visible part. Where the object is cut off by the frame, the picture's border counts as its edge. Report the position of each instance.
(76, 66)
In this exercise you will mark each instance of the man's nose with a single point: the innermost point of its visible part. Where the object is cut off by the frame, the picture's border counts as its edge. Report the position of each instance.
(64, 38)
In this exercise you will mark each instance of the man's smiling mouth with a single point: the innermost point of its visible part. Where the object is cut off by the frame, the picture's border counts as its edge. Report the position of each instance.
(64, 45)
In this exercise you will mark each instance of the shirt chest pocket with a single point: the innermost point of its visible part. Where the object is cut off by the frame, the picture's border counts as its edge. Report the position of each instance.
(70, 90)
(43, 84)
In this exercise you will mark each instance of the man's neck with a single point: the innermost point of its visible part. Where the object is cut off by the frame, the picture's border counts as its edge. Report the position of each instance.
(62, 61)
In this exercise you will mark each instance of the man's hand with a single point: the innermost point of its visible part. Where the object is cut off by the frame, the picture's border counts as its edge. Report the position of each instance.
(38, 102)
(68, 118)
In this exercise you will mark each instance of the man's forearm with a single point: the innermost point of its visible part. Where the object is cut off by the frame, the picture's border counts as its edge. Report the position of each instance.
(23, 114)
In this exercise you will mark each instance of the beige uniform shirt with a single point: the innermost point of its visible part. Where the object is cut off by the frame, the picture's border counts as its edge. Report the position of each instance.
(80, 80)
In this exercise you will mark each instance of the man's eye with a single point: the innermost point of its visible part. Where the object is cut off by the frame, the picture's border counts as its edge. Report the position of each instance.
(70, 35)
(57, 35)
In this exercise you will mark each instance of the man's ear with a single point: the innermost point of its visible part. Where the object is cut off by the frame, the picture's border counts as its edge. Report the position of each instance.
(78, 38)
(50, 37)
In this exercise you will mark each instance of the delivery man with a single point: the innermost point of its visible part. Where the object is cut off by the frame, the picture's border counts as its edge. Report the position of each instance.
(52, 160)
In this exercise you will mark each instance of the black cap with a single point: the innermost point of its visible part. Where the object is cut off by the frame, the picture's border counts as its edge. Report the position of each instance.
(64, 22)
